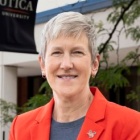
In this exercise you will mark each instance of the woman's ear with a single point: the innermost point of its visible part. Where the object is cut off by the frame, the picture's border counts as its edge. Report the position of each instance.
(95, 66)
(42, 64)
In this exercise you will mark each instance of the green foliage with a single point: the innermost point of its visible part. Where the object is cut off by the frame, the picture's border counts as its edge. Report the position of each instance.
(134, 33)
(8, 111)
(111, 77)
(40, 99)
(134, 94)
(111, 18)
(109, 47)
(45, 88)
(132, 14)
(134, 57)
(34, 102)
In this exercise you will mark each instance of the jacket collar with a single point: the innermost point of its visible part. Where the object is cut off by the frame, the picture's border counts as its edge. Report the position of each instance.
(90, 128)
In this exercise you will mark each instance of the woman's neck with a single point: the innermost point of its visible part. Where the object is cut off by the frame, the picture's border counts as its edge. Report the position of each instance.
(72, 108)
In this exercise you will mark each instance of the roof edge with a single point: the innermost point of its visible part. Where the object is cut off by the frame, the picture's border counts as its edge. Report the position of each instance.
(82, 7)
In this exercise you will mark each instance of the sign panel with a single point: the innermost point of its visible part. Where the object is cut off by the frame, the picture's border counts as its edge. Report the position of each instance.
(17, 21)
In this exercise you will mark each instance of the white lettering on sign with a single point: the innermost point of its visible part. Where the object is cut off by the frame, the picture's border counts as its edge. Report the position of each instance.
(18, 4)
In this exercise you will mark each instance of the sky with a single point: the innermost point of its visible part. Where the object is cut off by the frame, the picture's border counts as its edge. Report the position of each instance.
(44, 5)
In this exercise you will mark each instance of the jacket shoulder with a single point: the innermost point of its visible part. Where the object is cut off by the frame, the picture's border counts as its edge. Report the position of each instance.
(23, 123)
(29, 118)
(121, 110)
(127, 119)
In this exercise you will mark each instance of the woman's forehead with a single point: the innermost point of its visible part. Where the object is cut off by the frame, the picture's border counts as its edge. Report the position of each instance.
(75, 37)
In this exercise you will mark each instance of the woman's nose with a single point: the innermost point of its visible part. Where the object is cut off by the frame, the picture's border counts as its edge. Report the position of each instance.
(66, 63)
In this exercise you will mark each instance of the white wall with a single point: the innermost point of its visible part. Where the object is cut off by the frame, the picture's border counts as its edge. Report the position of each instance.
(44, 5)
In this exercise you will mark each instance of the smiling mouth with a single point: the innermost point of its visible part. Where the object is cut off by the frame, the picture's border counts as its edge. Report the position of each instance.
(67, 77)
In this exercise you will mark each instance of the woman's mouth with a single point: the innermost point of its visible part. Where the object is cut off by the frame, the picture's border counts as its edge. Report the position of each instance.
(67, 77)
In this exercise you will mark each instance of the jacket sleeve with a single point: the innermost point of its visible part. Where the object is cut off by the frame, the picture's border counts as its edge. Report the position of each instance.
(12, 130)
(131, 125)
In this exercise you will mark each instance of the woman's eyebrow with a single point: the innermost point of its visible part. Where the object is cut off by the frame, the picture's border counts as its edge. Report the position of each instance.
(78, 48)
(73, 48)
(56, 47)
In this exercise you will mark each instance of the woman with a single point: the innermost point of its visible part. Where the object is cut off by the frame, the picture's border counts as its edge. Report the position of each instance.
(77, 112)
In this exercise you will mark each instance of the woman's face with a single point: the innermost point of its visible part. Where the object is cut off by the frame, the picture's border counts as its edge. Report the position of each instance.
(68, 65)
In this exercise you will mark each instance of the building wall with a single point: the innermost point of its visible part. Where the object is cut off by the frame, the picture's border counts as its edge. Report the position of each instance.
(8, 92)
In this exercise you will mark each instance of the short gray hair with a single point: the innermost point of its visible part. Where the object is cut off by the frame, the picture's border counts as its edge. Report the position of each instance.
(69, 24)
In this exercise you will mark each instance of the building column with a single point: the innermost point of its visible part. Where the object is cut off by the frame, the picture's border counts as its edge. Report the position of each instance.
(8, 92)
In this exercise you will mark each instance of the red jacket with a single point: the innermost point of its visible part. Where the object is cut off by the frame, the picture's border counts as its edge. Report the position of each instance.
(105, 120)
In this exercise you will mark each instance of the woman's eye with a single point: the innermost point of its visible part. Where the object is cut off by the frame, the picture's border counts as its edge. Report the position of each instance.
(57, 53)
(78, 52)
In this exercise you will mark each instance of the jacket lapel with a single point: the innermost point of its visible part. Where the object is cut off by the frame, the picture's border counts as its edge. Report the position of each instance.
(41, 127)
(91, 128)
